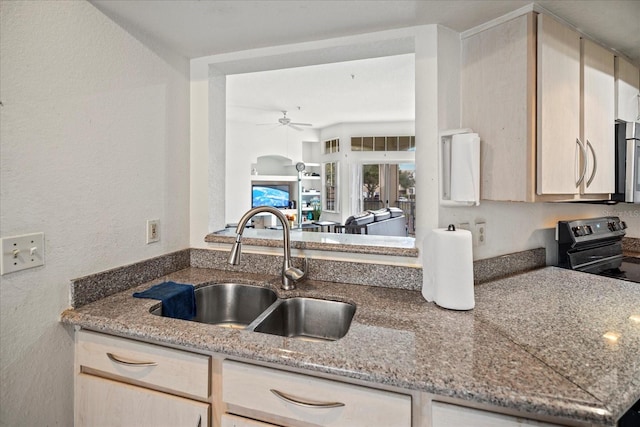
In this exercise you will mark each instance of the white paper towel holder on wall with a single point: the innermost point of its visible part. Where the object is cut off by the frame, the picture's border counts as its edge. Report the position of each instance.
(445, 167)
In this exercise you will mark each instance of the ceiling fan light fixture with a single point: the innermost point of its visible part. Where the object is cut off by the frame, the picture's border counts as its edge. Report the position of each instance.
(286, 121)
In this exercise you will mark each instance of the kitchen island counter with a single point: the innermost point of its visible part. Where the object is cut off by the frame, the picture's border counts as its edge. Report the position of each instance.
(539, 343)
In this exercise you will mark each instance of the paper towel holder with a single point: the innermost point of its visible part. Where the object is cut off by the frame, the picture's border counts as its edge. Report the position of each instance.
(444, 166)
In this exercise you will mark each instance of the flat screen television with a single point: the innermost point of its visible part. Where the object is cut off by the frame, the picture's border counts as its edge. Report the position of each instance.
(275, 195)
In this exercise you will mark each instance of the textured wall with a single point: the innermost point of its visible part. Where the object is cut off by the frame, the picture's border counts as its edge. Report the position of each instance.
(514, 227)
(94, 141)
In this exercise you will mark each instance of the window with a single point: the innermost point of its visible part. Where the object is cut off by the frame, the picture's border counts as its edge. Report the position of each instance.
(383, 143)
(330, 178)
(331, 146)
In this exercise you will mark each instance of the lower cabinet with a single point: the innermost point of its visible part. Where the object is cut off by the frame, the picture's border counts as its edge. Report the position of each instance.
(121, 382)
(448, 415)
(103, 402)
(290, 399)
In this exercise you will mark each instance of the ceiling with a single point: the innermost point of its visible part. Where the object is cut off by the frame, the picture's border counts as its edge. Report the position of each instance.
(367, 90)
(343, 92)
(196, 28)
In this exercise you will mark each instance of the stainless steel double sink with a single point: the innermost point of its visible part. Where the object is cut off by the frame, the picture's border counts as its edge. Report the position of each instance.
(259, 309)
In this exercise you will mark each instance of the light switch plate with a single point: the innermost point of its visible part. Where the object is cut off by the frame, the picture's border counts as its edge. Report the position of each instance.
(22, 252)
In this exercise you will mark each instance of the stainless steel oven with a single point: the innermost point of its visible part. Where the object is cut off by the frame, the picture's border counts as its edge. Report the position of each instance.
(595, 246)
(627, 167)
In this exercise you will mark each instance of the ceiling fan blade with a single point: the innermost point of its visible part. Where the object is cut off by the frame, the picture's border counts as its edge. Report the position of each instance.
(272, 125)
(301, 124)
(292, 126)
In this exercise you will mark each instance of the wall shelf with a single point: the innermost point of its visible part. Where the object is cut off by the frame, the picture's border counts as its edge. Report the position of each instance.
(289, 178)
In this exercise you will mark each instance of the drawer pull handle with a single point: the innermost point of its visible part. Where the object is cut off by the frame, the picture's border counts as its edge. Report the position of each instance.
(117, 359)
(306, 404)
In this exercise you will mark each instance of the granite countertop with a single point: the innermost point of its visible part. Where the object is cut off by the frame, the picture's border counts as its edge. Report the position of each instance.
(350, 243)
(535, 342)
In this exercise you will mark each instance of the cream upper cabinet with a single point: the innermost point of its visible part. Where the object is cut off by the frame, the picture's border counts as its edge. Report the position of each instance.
(522, 91)
(498, 101)
(575, 113)
(627, 90)
(559, 150)
(598, 112)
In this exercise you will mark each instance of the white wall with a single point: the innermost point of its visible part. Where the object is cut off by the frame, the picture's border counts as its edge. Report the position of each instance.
(513, 227)
(95, 141)
(245, 143)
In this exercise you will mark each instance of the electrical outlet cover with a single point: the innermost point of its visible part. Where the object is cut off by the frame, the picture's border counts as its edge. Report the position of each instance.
(481, 233)
(153, 230)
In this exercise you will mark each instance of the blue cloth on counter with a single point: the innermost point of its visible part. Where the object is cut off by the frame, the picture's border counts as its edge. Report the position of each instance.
(178, 300)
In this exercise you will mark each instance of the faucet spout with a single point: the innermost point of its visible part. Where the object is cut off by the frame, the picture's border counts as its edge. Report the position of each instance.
(290, 274)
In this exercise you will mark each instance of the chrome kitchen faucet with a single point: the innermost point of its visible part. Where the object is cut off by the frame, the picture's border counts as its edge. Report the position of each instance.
(290, 274)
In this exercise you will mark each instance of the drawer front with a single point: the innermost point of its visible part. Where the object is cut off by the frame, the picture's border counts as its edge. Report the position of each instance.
(261, 392)
(229, 420)
(448, 415)
(150, 365)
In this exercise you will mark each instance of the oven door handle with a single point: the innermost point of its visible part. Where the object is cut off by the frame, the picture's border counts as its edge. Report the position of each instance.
(585, 265)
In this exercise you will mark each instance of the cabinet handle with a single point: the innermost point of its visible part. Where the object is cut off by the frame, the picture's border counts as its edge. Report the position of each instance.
(199, 421)
(117, 359)
(595, 163)
(584, 164)
(306, 404)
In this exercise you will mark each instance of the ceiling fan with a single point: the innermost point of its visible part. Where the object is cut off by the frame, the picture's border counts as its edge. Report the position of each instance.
(286, 121)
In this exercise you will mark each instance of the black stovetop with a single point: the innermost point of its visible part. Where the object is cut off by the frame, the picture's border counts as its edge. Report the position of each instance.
(628, 270)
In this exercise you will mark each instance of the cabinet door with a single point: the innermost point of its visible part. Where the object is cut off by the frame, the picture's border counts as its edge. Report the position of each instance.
(102, 402)
(559, 154)
(627, 91)
(499, 101)
(598, 118)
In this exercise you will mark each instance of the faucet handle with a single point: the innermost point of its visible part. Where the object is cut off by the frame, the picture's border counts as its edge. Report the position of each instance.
(297, 275)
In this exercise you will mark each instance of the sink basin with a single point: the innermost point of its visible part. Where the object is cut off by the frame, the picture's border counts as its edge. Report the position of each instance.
(308, 318)
(230, 305)
(258, 309)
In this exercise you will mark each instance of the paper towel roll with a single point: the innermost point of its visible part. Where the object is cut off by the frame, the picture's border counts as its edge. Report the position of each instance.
(465, 167)
(448, 269)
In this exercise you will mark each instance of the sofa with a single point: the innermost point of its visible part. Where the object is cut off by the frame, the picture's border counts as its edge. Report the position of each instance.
(381, 222)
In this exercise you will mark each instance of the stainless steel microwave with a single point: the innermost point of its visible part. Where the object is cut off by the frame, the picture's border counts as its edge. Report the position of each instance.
(627, 162)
